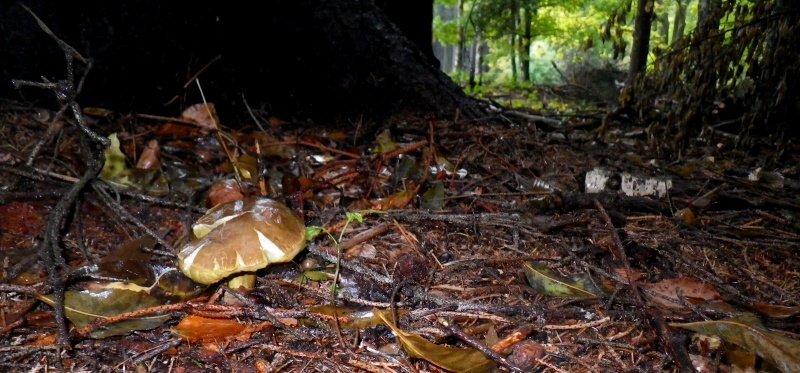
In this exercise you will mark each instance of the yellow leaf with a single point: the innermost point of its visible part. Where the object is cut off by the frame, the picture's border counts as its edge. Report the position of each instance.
(459, 360)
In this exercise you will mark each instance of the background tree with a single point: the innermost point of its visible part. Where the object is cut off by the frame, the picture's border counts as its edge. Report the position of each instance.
(641, 38)
(738, 72)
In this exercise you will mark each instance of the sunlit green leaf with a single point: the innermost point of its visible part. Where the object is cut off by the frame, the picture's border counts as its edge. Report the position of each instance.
(313, 231)
(355, 216)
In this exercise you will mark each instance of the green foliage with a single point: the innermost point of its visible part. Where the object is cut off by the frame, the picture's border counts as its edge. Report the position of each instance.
(742, 56)
(450, 3)
(446, 32)
(558, 28)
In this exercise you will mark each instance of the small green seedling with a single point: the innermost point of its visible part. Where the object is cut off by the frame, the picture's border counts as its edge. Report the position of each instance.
(314, 231)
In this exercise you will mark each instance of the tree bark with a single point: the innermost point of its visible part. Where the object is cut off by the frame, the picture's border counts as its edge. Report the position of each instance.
(462, 37)
(297, 58)
(513, 47)
(525, 50)
(707, 16)
(641, 38)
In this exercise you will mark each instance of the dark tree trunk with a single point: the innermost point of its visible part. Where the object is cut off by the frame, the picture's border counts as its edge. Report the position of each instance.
(641, 38)
(462, 38)
(707, 15)
(474, 60)
(301, 58)
(525, 49)
(513, 39)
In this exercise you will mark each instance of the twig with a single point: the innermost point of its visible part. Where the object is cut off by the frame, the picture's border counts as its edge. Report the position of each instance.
(676, 350)
(364, 236)
(491, 354)
(556, 124)
(92, 145)
(112, 204)
(355, 267)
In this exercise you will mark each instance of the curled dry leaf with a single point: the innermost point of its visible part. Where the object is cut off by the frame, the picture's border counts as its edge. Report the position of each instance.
(205, 115)
(670, 293)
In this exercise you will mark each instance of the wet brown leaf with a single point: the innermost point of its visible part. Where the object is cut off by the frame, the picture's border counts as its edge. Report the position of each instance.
(350, 318)
(776, 312)
(84, 307)
(150, 158)
(195, 328)
(393, 202)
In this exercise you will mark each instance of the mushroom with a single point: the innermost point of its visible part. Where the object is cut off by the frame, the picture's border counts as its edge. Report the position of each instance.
(241, 237)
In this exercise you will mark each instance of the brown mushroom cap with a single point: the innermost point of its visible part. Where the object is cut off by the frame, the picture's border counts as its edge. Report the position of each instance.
(241, 236)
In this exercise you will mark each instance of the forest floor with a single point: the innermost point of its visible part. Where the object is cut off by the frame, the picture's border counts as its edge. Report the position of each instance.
(461, 235)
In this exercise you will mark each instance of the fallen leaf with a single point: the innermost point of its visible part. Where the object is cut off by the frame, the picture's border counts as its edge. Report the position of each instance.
(224, 191)
(114, 168)
(670, 293)
(460, 360)
(746, 331)
(433, 199)
(196, 328)
(544, 281)
(205, 115)
(776, 312)
(385, 143)
(350, 318)
(149, 160)
(394, 202)
(83, 307)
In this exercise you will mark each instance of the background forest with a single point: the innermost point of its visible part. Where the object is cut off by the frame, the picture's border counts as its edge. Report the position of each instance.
(514, 42)
(709, 64)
